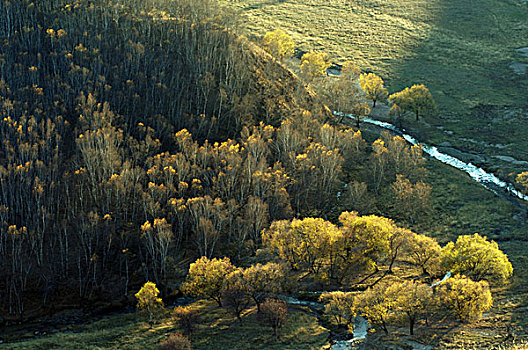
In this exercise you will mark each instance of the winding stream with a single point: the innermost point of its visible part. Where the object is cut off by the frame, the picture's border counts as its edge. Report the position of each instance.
(488, 180)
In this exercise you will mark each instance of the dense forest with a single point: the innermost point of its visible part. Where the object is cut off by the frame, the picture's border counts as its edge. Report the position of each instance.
(139, 136)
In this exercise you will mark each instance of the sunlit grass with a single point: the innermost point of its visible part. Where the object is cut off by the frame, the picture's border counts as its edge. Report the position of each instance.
(218, 329)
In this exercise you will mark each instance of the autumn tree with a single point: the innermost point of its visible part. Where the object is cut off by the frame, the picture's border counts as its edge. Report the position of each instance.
(186, 318)
(416, 99)
(372, 85)
(360, 110)
(367, 238)
(476, 257)
(176, 342)
(413, 299)
(206, 278)
(396, 113)
(522, 180)
(403, 158)
(314, 64)
(234, 293)
(422, 251)
(148, 302)
(318, 171)
(466, 299)
(158, 237)
(340, 308)
(379, 163)
(350, 71)
(265, 281)
(208, 216)
(279, 44)
(411, 200)
(356, 197)
(302, 243)
(392, 155)
(341, 93)
(274, 313)
(377, 305)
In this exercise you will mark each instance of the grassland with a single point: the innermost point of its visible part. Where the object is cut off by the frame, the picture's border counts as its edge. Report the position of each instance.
(461, 49)
(218, 329)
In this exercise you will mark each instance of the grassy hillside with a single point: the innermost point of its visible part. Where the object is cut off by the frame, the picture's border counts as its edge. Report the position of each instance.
(462, 50)
(218, 329)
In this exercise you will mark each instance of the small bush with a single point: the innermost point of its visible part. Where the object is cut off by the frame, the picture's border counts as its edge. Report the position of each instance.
(176, 342)
(273, 313)
(186, 318)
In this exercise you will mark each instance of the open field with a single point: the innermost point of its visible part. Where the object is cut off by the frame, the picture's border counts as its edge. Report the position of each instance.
(462, 50)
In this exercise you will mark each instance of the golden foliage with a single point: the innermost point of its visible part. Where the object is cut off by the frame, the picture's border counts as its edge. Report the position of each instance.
(314, 64)
(373, 87)
(416, 99)
(148, 302)
(476, 257)
(279, 44)
(467, 299)
(206, 278)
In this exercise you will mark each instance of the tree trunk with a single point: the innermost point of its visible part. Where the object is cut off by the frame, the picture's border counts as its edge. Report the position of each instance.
(374, 103)
(417, 116)
(384, 327)
(411, 325)
(258, 304)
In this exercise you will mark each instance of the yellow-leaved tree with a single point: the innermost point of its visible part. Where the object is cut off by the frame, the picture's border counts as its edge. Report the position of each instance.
(476, 257)
(303, 243)
(422, 251)
(522, 179)
(367, 237)
(373, 87)
(416, 99)
(265, 281)
(279, 44)
(411, 200)
(360, 110)
(340, 308)
(314, 64)
(206, 278)
(148, 303)
(467, 299)
(412, 299)
(377, 305)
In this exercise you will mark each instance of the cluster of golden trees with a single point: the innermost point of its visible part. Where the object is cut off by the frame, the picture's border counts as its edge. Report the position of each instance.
(345, 93)
(349, 256)
(362, 247)
(361, 244)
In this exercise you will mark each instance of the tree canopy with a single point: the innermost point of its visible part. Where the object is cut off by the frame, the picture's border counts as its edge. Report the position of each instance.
(416, 99)
(279, 44)
(476, 257)
(206, 278)
(314, 64)
(467, 299)
(373, 87)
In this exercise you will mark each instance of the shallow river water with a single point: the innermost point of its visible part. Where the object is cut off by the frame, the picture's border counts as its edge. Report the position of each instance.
(486, 179)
